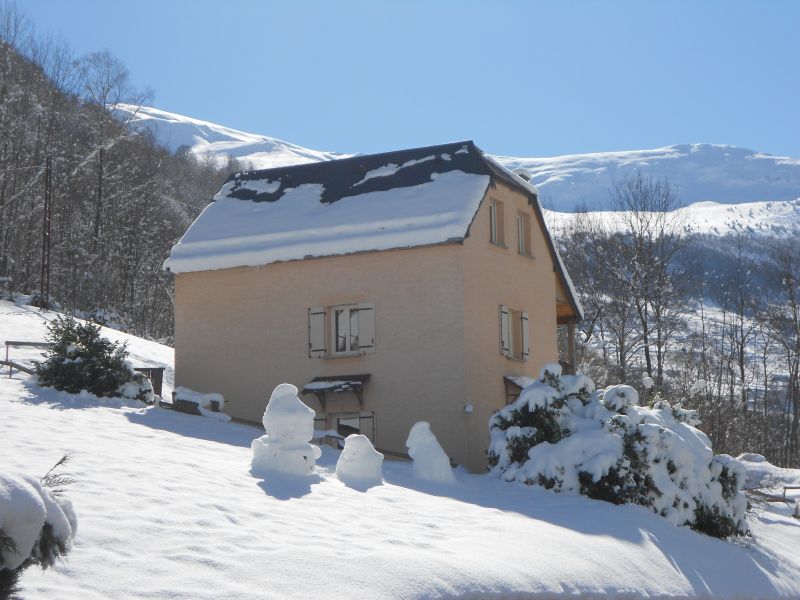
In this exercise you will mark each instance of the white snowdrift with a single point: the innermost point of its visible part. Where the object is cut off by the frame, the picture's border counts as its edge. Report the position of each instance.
(168, 510)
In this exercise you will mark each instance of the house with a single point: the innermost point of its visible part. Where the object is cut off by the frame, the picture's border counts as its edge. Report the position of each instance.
(417, 285)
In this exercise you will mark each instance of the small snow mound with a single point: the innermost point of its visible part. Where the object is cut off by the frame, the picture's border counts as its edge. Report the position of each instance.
(647, 382)
(620, 397)
(430, 461)
(206, 403)
(289, 425)
(359, 463)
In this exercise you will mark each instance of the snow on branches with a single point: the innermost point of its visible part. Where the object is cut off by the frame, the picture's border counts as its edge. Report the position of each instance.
(563, 435)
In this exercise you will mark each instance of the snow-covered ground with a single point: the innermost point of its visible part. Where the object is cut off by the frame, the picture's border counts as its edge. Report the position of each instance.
(167, 508)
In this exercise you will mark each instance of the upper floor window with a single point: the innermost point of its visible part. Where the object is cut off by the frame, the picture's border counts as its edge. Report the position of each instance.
(342, 330)
(524, 234)
(496, 226)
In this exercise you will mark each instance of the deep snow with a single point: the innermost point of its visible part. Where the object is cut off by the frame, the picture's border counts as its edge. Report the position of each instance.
(168, 509)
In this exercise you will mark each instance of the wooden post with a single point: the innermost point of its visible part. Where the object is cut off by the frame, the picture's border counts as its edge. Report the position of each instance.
(571, 348)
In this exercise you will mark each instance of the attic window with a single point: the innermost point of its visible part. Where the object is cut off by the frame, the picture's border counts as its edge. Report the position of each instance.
(496, 223)
(524, 246)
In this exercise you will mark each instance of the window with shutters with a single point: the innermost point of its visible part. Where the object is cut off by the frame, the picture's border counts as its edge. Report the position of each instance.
(514, 334)
(342, 330)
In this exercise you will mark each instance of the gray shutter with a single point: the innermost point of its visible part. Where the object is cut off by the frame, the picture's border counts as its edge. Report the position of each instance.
(526, 341)
(316, 332)
(366, 327)
(505, 332)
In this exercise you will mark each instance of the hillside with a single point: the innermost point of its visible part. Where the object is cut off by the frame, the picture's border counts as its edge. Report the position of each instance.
(167, 508)
(209, 140)
(700, 172)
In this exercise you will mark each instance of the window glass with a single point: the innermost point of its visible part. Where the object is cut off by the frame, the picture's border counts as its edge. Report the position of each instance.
(353, 329)
(340, 329)
(493, 221)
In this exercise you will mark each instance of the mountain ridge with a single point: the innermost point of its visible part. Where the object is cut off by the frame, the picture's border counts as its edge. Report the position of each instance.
(700, 172)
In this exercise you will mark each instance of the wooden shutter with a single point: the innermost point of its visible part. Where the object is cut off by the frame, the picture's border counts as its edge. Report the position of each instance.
(366, 327)
(505, 332)
(316, 332)
(526, 342)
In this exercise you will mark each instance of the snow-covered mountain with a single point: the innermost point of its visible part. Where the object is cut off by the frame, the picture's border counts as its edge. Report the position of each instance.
(700, 172)
(763, 219)
(710, 174)
(209, 140)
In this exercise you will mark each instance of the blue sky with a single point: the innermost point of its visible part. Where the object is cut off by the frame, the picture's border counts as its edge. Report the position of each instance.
(520, 78)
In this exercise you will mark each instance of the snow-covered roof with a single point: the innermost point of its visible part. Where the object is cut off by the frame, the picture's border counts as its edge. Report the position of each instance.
(401, 199)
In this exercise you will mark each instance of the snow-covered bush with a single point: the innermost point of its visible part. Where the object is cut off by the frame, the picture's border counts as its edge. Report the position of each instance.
(359, 464)
(138, 387)
(289, 425)
(430, 460)
(82, 359)
(563, 435)
(37, 525)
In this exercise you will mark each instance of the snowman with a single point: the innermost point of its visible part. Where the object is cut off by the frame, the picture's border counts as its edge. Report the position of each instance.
(290, 426)
(359, 463)
(430, 460)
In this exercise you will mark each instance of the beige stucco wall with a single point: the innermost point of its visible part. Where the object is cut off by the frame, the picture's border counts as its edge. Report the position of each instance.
(243, 331)
(495, 276)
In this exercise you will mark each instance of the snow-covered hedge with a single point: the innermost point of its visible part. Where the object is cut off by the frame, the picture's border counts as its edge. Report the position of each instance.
(562, 434)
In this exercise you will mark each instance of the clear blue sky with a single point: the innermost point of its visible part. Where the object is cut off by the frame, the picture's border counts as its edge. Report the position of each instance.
(520, 78)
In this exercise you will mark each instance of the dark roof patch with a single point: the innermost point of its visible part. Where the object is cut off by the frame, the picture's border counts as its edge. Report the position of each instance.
(348, 177)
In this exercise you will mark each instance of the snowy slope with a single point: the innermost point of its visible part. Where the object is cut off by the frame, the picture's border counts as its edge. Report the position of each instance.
(700, 172)
(775, 219)
(168, 509)
(29, 324)
(215, 141)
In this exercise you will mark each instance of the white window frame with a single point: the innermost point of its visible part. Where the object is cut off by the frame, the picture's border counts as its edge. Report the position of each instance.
(322, 330)
(334, 351)
(514, 334)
